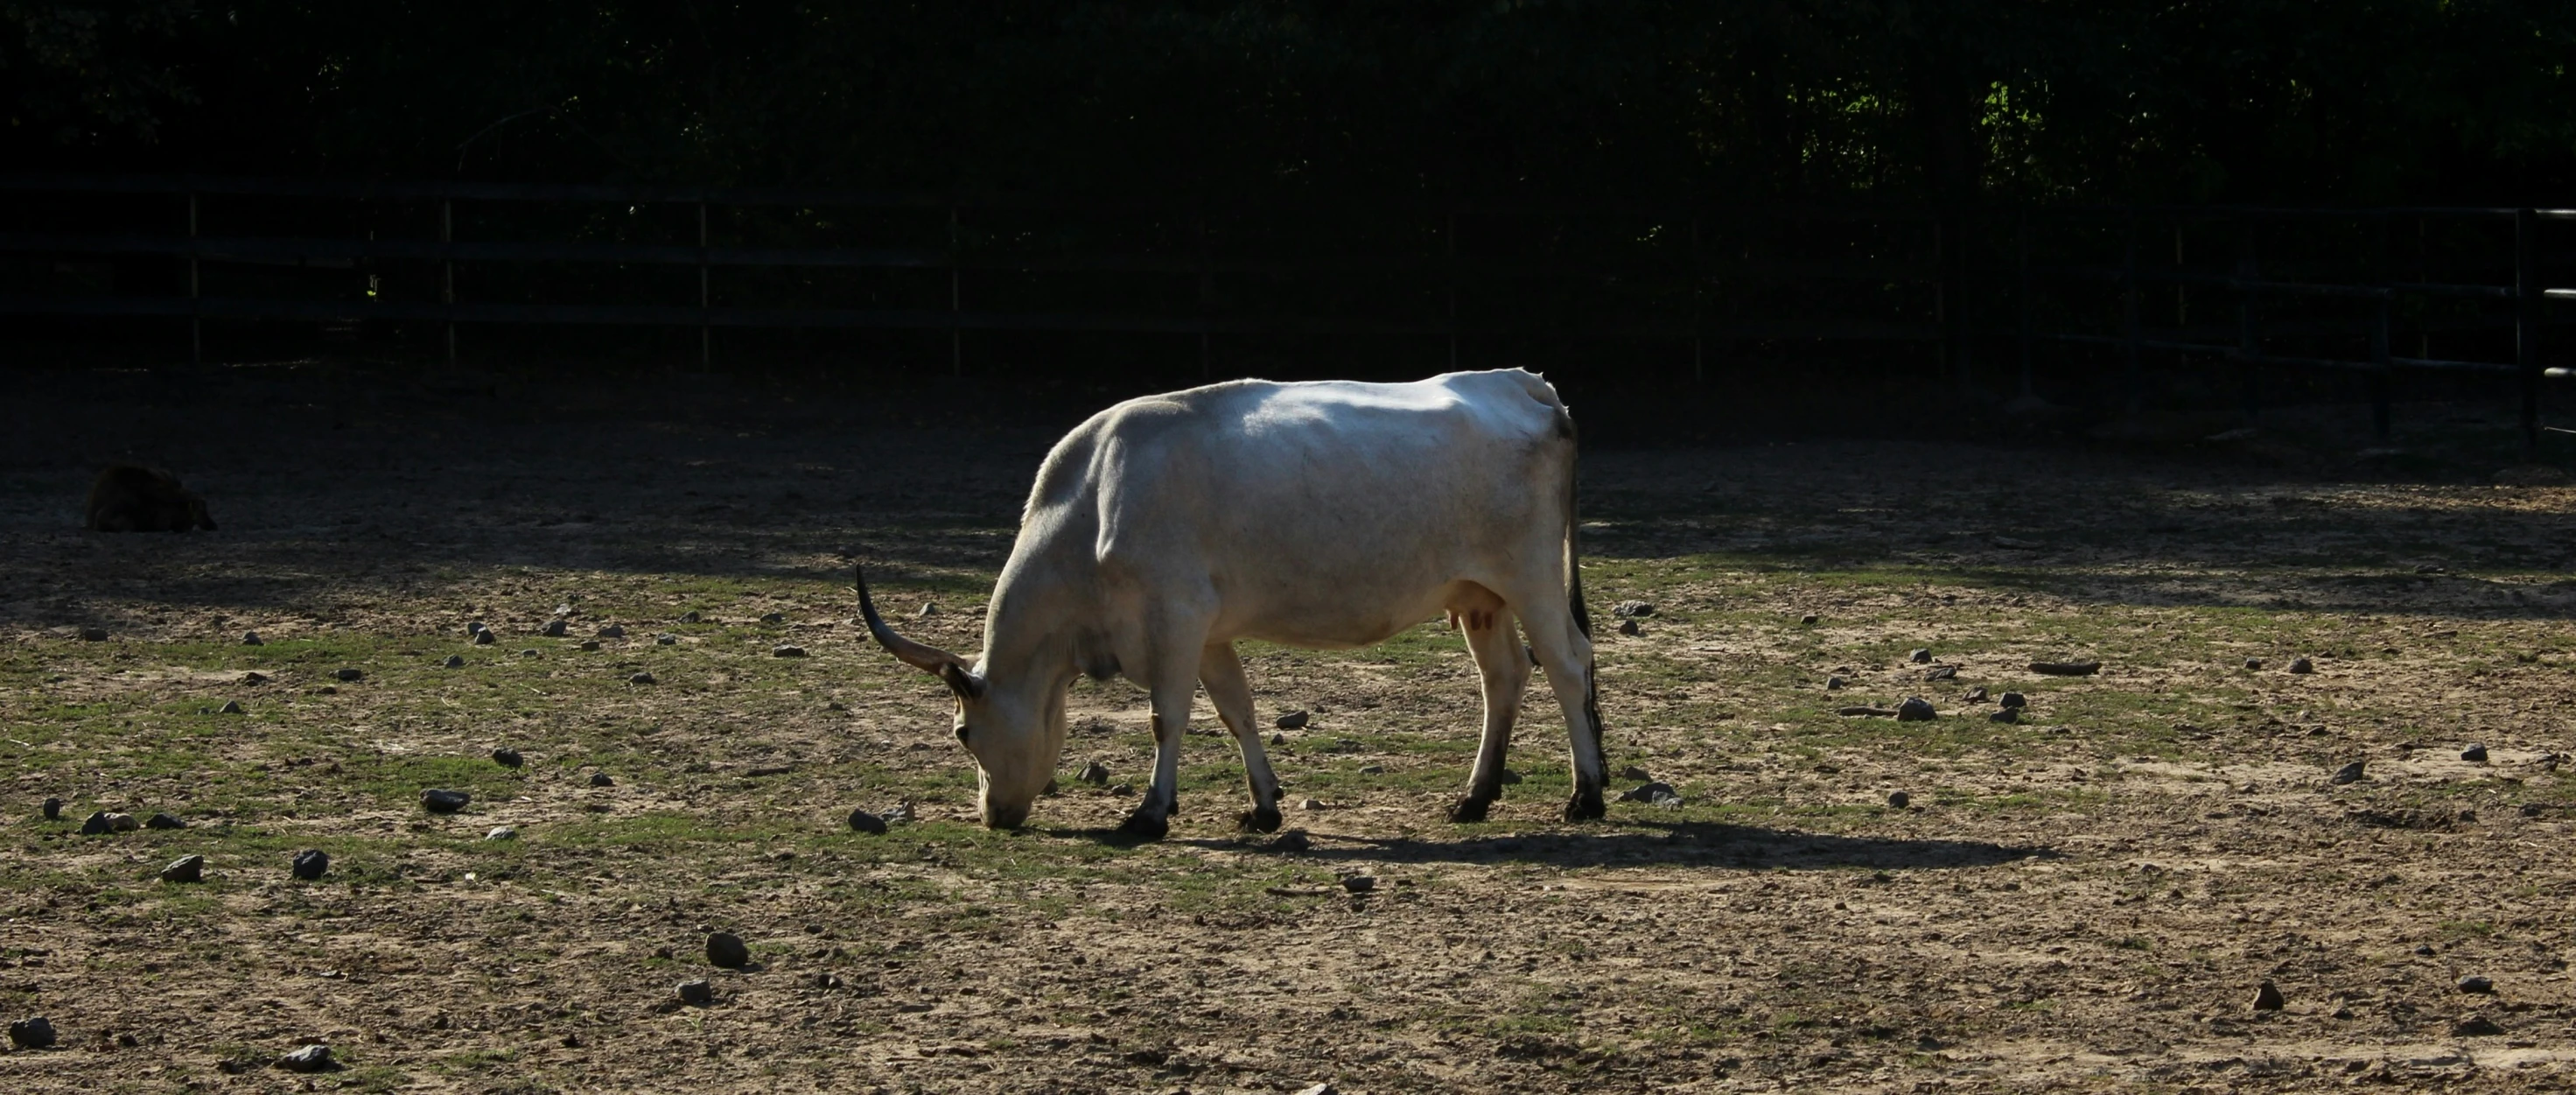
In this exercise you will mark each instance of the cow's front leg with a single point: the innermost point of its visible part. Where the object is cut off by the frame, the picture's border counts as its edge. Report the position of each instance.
(1153, 817)
(1504, 668)
(1221, 673)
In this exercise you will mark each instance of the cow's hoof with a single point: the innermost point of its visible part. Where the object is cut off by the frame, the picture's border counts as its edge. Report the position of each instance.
(1142, 827)
(1259, 819)
(1468, 809)
(1586, 806)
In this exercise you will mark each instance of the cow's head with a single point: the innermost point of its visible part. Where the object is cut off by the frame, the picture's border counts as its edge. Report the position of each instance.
(1005, 728)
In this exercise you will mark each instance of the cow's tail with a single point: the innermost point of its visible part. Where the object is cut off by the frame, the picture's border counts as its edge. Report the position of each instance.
(1573, 525)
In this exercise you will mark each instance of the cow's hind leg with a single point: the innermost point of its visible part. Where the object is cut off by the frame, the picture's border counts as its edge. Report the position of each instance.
(1221, 673)
(1505, 668)
(1566, 653)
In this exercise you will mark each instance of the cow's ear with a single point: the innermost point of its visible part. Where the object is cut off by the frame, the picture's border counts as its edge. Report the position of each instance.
(967, 685)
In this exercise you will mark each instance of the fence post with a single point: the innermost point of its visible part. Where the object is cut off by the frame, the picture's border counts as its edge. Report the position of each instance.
(447, 272)
(706, 350)
(2379, 372)
(2021, 290)
(2526, 328)
(2129, 314)
(956, 333)
(196, 321)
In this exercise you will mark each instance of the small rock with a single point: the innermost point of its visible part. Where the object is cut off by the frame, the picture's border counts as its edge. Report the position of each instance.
(1372, 769)
(251, 638)
(1359, 883)
(1123, 790)
(93, 634)
(1319, 1089)
(507, 757)
(454, 661)
(254, 677)
(476, 627)
(530, 652)
(640, 678)
(784, 651)
(865, 822)
(36, 1033)
(554, 629)
(602, 779)
(689, 617)
(1834, 684)
(1278, 739)
(230, 707)
(123, 823)
(836, 705)
(1632, 610)
(1094, 773)
(1653, 793)
(2475, 754)
(1921, 655)
(1941, 673)
(96, 824)
(484, 638)
(350, 675)
(1294, 720)
(2429, 568)
(590, 644)
(2066, 669)
(564, 609)
(1898, 800)
(1973, 695)
(612, 631)
(2475, 1026)
(696, 993)
(2425, 950)
(1507, 776)
(2350, 773)
(1633, 772)
(666, 640)
(2005, 715)
(2013, 699)
(1864, 711)
(1629, 627)
(1294, 840)
(439, 800)
(2302, 665)
(1914, 709)
(502, 832)
(2267, 997)
(163, 821)
(928, 610)
(188, 868)
(2475, 984)
(2253, 663)
(1311, 804)
(1808, 619)
(727, 950)
(311, 863)
(52, 809)
(773, 617)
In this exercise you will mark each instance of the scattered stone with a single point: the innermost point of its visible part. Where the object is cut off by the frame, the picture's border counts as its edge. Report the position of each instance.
(564, 609)
(93, 634)
(123, 823)
(484, 638)
(1508, 776)
(590, 644)
(1311, 804)
(689, 617)
(1808, 619)
(2476, 984)
(1921, 655)
(1626, 610)
(2267, 997)
(1915, 709)
(530, 652)
(602, 779)
(96, 824)
(1864, 711)
(507, 757)
(311, 863)
(1834, 684)
(52, 809)
(188, 868)
(351, 676)
(666, 640)
(1898, 800)
(1629, 627)
(1941, 673)
(1319, 1089)
(1123, 790)
(454, 661)
(2302, 665)
(2013, 699)
(554, 629)
(785, 651)
(2475, 754)
(254, 677)
(773, 618)
(36, 1033)
(1294, 720)
(502, 832)
(2253, 663)
(928, 610)
(1094, 773)
(163, 821)
(251, 638)
(439, 800)
(2005, 715)
(612, 631)
(230, 707)
(727, 950)
(1653, 793)
(1294, 840)
(864, 822)
(640, 678)
(1973, 695)
(2350, 773)
(2475, 1026)
(1359, 883)
(1278, 739)
(475, 627)
(1372, 769)
(2066, 669)
(1633, 772)
(901, 813)
(696, 993)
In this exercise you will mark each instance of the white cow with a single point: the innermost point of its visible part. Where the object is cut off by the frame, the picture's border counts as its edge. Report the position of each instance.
(1323, 515)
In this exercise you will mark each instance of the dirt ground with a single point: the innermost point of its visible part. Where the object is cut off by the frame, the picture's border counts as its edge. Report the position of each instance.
(2084, 900)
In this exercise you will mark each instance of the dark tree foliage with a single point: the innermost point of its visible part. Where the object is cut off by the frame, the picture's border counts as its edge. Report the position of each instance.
(2163, 100)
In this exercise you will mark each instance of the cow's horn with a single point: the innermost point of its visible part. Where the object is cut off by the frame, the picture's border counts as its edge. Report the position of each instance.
(922, 656)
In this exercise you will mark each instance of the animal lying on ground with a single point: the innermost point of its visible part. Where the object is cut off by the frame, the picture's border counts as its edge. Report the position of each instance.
(126, 498)
(1326, 515)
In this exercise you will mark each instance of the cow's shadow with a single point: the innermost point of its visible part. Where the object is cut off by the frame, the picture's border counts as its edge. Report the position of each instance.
(1636, 844)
